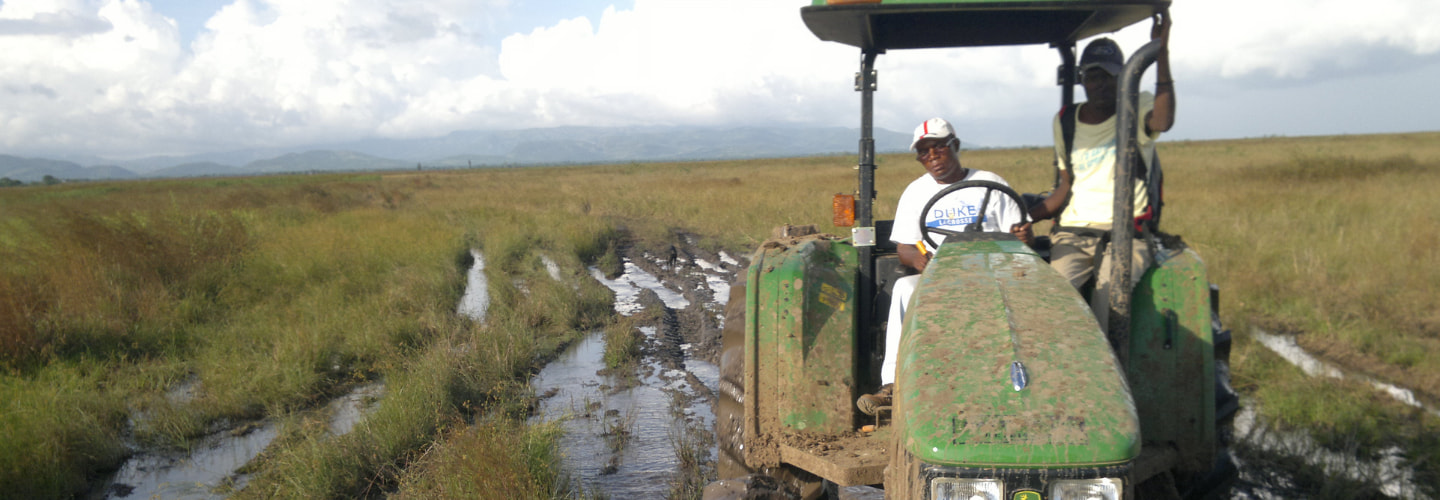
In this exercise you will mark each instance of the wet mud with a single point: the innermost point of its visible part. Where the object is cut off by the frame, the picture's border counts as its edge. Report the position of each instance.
(646, 432)
(1275, 463)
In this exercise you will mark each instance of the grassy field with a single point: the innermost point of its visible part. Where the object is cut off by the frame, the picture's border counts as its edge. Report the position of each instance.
(271, 294)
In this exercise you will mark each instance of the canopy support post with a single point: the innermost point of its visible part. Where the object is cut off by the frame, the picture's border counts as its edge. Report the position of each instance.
(864, 231)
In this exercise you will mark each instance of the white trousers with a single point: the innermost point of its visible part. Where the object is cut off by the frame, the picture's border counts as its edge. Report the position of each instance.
(899, 300)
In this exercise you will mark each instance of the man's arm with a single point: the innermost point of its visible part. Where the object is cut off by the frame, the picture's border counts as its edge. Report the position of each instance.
(1009, 213)
(1163, 116)
(911, 257)
(1055, 201)
(1024, 232)
(907, 231)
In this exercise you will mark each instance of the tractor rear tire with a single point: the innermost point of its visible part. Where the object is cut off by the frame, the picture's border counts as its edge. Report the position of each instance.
(730, 409)
(1216, 483)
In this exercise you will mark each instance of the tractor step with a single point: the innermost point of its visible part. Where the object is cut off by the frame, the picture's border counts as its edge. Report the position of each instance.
(848, 460)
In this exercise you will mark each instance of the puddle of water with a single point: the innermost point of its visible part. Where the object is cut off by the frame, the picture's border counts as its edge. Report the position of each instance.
(350, 409)
(477, 292)
(712, 275)
(627, 289)
(1391, 471)
(551, 267)
(641, 467)
(213, 461)
(726, 258)
(708, 374)
(1286, 347)
(719, 287)
(861, 493)
(194, 476)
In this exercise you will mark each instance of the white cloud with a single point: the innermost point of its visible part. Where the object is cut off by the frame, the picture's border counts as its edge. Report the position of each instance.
(112, 76)
(264, 72)
(1297, 38)
(680, 58)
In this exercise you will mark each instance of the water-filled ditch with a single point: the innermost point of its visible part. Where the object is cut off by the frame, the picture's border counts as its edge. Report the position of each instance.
(625, 433)
(622, 430)
(622, 441)
(209, 468)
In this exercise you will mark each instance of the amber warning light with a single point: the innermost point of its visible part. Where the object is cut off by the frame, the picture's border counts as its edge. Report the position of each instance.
(843, 207)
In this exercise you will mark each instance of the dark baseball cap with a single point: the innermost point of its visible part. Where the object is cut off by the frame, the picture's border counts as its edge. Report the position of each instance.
(1102, 53)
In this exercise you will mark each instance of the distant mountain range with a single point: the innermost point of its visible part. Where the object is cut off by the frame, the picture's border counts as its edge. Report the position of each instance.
(564, 145)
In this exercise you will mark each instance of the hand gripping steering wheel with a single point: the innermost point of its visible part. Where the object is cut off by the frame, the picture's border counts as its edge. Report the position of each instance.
(974, 227)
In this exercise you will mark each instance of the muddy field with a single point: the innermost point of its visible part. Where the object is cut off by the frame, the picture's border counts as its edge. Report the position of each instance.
(648, 431)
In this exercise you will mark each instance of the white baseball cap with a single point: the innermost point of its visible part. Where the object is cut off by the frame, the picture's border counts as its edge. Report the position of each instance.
(933, 128)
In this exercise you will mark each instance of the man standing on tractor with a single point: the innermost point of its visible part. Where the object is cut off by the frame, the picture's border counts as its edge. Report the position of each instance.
(1083, 198)
(938, 151)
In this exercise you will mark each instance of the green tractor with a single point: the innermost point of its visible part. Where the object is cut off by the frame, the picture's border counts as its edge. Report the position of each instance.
(1008, 387)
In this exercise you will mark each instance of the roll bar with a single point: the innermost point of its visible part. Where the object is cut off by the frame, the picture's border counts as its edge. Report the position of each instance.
(1122, 235)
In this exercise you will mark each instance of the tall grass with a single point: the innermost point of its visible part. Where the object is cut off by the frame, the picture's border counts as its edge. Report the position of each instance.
(1331, 239)
(491, 460)
(1334, 245)
(117, 284)
(469, 369)
(56, 427)
(271, 295)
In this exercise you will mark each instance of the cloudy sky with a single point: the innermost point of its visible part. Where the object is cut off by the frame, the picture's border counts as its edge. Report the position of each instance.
(130, 78)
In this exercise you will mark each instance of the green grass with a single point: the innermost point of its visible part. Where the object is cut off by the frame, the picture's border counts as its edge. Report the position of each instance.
(56, 426)
(272, 299)
(273, 293)
(492, 460)
(1331, 239)
(622, 345)
(1327, 238)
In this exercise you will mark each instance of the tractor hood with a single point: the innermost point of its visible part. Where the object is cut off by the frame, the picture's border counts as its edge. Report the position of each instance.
(1003, 364)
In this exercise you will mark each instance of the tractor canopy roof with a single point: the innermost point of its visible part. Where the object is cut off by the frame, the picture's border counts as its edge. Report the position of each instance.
(880, 25)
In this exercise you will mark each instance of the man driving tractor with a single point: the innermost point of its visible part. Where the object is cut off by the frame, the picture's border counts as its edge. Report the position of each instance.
(937, 149)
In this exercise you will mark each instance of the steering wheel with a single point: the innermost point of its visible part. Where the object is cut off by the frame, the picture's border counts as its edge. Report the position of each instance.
(973, 227)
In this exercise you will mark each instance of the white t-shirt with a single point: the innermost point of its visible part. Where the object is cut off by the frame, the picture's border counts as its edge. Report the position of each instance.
(1092, 198)
(954, 212)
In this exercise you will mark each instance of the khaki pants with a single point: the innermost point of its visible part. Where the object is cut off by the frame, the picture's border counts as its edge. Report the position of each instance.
(1073, 254)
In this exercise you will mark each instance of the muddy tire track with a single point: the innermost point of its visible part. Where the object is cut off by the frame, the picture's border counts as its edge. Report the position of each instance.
(665, 404)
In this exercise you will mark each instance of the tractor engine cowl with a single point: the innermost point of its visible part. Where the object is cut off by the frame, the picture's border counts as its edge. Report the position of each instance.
(998, 373)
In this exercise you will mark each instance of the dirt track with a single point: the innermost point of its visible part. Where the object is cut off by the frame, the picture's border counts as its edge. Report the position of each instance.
(698, 325)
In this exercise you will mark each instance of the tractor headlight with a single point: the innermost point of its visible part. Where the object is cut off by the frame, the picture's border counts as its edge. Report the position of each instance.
(954, 488)
(1087, 489)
